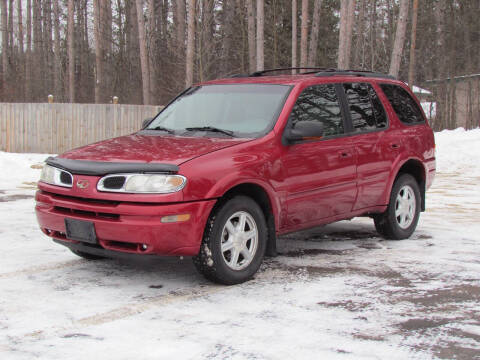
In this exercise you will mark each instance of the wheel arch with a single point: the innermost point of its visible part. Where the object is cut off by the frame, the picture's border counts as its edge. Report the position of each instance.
(262, 197)
(416, 168)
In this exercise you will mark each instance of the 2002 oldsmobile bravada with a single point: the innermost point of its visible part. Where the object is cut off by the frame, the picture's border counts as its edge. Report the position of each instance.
(230, 164)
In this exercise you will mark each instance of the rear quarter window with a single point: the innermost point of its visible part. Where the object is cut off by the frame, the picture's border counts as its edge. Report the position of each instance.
(403, 104)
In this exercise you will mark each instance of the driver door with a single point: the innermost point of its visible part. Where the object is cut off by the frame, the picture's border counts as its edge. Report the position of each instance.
(320, 174)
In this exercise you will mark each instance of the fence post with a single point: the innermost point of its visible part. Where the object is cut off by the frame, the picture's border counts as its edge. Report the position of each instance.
(50, 99)
(115, 100)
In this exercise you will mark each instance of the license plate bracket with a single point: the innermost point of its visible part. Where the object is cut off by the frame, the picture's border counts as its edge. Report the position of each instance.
(81, 230)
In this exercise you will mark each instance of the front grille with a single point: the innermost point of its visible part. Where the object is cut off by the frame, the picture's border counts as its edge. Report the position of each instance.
(89, 214)
(66, 178)
(114, 182)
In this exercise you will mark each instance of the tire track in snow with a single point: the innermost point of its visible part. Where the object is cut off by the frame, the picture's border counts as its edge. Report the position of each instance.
(119, 313)
(35, 269)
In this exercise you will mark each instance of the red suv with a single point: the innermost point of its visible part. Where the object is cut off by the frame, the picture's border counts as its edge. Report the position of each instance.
(231, 164)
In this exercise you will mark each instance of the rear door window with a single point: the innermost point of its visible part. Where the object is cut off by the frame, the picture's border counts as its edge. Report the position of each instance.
(404, 105)
(319, 103)
(366, 110)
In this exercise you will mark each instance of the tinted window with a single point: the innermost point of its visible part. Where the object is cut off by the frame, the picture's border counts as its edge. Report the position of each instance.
(361, 109)
(366, 110)
(378, 110)
(319, 103)
(405, 107)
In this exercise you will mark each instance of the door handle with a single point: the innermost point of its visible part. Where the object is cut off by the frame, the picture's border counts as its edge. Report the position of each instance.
(395, 146)
(344, 154)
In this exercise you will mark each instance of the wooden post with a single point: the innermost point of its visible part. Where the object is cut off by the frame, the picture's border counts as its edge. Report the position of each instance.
(115, 100)
(50, 99)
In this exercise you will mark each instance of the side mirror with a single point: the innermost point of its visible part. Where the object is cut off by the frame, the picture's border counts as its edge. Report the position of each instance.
(304, 130)
(146, 122)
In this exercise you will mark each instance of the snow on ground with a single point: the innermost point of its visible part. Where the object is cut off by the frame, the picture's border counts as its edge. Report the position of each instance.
(336, 292)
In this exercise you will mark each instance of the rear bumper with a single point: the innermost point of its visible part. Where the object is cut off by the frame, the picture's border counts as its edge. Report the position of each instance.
(125, 227)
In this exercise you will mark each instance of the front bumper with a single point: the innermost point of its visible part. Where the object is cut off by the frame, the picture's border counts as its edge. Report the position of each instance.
(126, 226)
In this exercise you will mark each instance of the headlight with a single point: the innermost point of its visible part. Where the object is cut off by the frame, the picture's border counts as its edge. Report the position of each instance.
(55, 176)
(142, 183)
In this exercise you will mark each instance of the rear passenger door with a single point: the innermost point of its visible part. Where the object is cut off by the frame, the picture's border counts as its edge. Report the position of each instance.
(375, 144)
(319, 174)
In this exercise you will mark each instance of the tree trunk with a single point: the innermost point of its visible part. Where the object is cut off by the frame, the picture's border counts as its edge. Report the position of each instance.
(4, 43)
(28, 62)
(294, 35)
(251, 36)
(152, 49)
(10, 28)
(38, 60)
(190, 43)
(373, 33)
(180, 10)
(399, 38)
(312, 52)
(342, 39)
(359, 55)
(58, 65)
(411, 65)
(20, 28)
(260, 35)
(71, 53)
(348, 44)
(143, 53)
(304, 34)
(97, 30)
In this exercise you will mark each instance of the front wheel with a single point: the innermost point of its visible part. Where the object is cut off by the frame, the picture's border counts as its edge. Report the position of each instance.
(234, 242)
(403, 211)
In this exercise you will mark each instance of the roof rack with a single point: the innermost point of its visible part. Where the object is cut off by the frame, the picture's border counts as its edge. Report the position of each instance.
(320, 72)
(338, 72)
(313, 70)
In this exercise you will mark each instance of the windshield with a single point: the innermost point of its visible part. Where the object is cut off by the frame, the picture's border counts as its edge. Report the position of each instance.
(248, 110)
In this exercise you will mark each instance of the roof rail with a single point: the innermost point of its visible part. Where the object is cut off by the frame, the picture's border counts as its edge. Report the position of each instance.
(320, 72)
(339, 72)
(313, 70)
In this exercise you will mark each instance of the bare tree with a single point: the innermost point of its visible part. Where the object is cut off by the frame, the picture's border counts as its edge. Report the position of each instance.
(304, 34)
(152, 48)
(251, 35)
(58, 65)
(4, 42)
(399, 38)
(28, 62)
(413, 40)
(260, 35)
(312, 52)
(342, 39)
(71, 52)
(190, 42)
(294, 35)
(348, 44)
(98, 34)
(143, 52)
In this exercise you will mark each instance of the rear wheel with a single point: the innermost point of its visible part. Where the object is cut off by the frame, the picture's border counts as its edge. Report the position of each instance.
(403, 212)
(86, 255)
(234, 242)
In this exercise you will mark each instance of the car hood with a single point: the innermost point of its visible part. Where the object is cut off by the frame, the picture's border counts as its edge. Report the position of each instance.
(150, 149)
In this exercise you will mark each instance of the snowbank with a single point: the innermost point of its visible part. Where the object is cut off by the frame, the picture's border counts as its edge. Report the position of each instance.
(16, 169)
(458, 151)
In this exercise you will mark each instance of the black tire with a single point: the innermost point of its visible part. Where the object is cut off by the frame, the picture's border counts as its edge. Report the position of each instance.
(387, 224)
(86, 255)
(211, 262)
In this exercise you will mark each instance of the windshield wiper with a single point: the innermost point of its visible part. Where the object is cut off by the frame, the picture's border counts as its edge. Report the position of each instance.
(161, 128)
(212, 129)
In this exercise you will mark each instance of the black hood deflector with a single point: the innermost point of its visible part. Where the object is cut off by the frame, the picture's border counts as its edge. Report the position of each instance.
(99, 168)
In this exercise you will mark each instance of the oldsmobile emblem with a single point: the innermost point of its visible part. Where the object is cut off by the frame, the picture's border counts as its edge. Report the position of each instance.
(82, 184)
